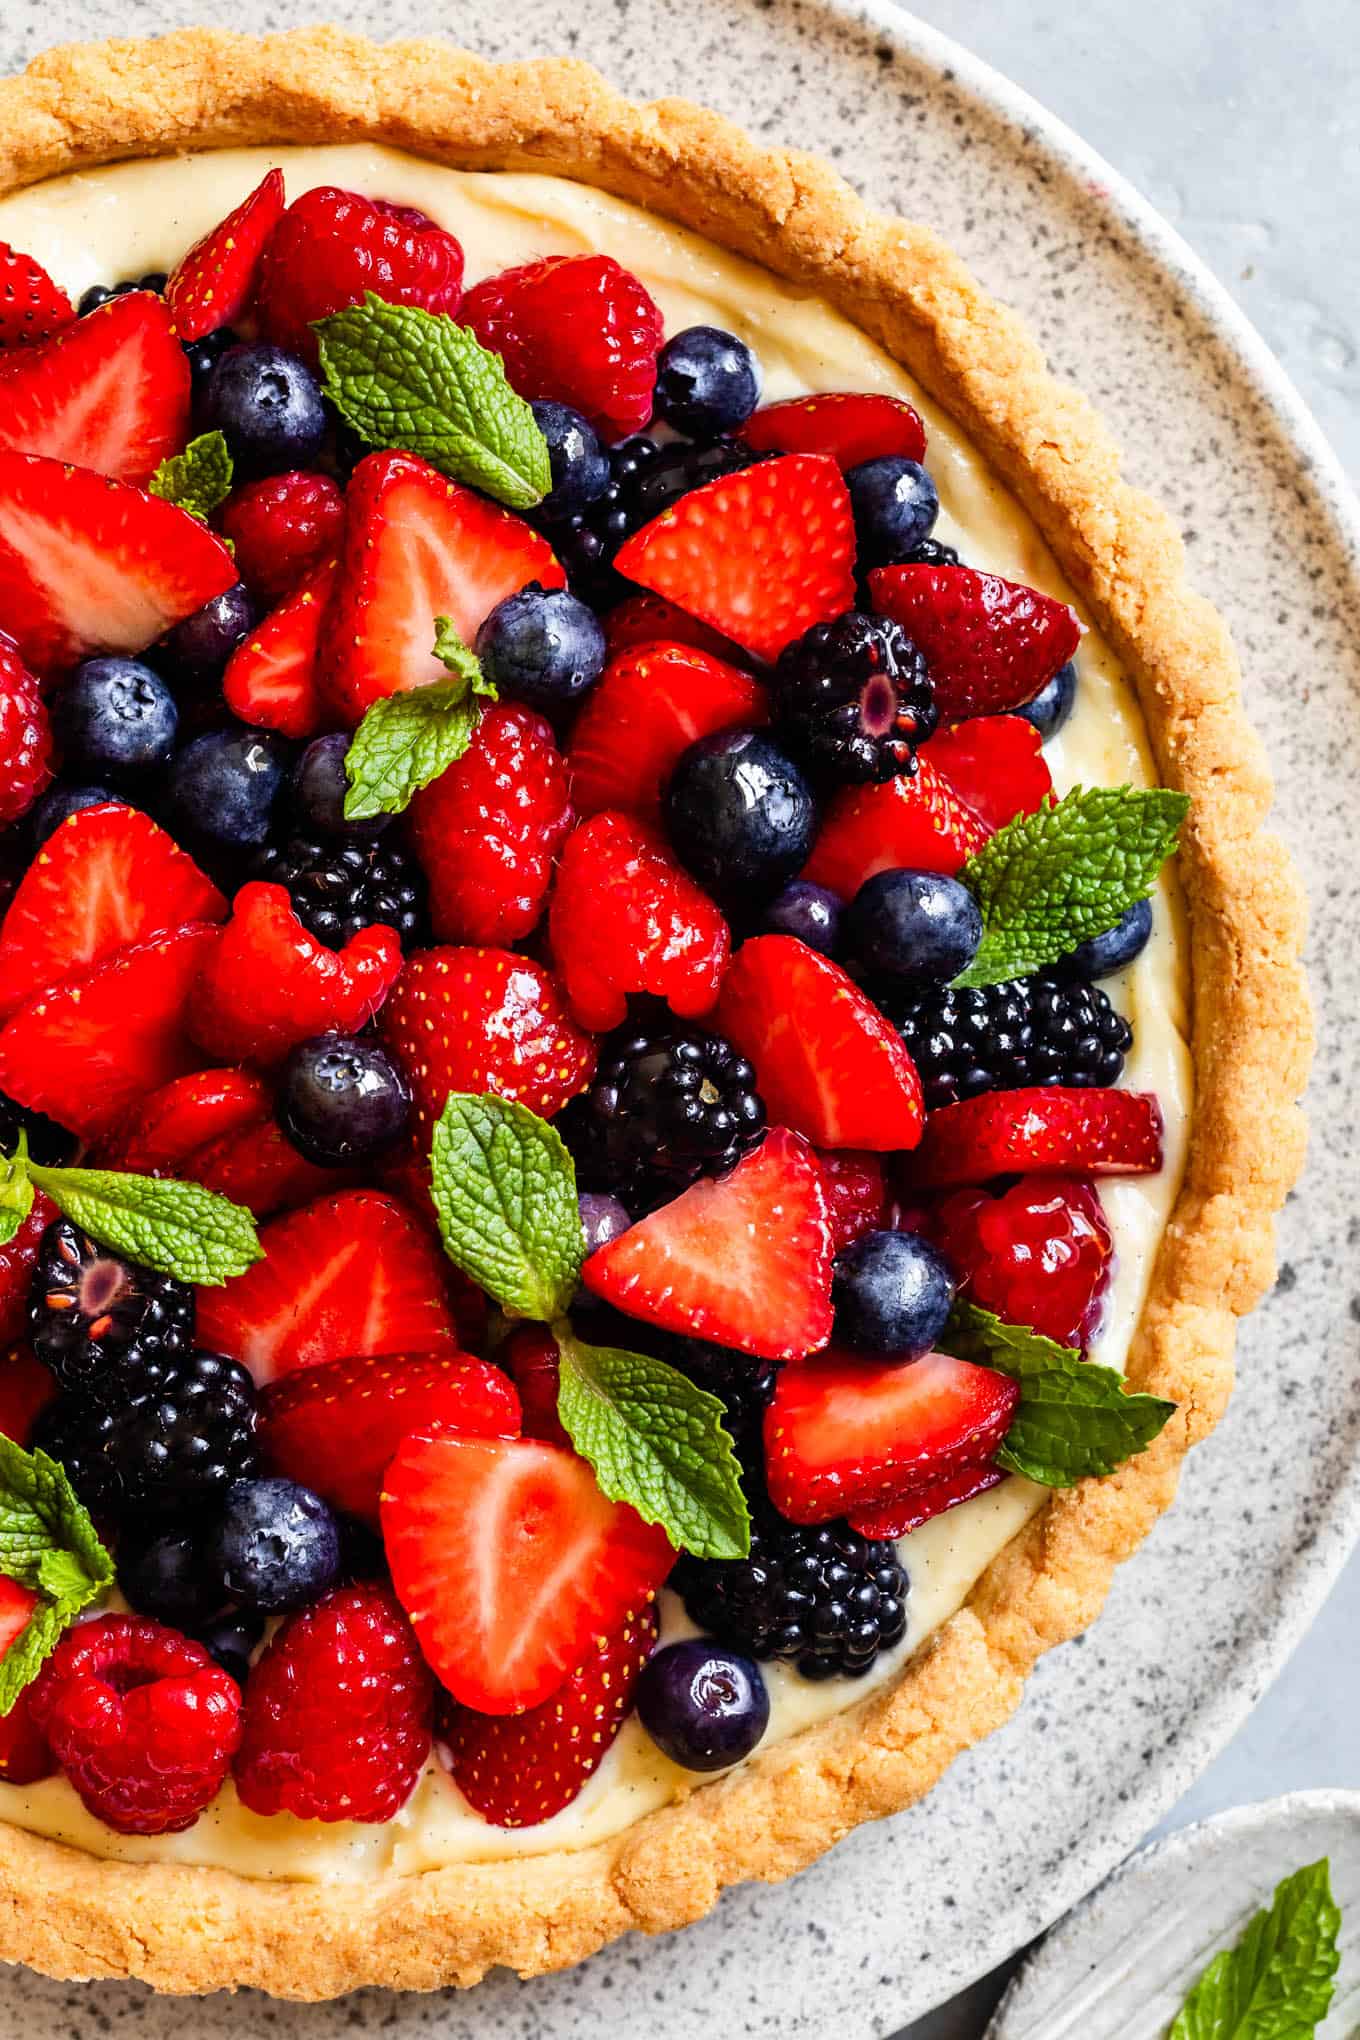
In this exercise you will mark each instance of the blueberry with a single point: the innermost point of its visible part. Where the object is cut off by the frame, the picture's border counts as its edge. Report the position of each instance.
(115, 721)
(602, 1219)
(809, 912)
(341, 1099)
(155, 281)
(917, 927)
(230, 1640)
(740, 814)
(891, 1294)
(267, 405)
(57, 805)
(542, 646)
(90, 300)
(705, 1707)
(197, 649)
(222, 788)
(895, 506)
(580, 467)
(1101, 955)
(319, 787)
(1049, 709)
(276, 1547)
(165, 1577)
(707, 382)
(203, 356)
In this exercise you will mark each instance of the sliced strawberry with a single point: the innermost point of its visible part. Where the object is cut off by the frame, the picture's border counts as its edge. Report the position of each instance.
(990, 643)
(646, 619)
(579, 328)
(760, 555)
(918, 824)
(511, 1563)
(648, 706)
(24, 1755)
(997, 763)
(349, 1275)
(843, 1434)
(850, 425)
(742, 1261)
(532, 1357)
(110, 393)
(26, 1387)
(32, 307)
(1040, 1254)
(826, 1060)
(25, 738)
(856, 1192)
(520, 1769)
(1057, 1131)
(272, 678)
(212, 285)
(919, 1504)
(86, 1053)
(108, 877)
(418, 546)
(92, 565)
(336, 1427)
(258, 1166)
(187, 1115)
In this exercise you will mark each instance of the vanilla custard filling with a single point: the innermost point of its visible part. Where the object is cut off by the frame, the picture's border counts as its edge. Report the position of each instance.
(131, 218)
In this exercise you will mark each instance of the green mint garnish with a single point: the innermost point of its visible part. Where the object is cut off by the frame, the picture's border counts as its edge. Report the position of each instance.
(1047, 881)
(1074, 1419)
(179, 1228)
(655, 1441)
(408, 739)
(419, 380)
(48, 1544)
(198, 479)
(1277, 1982)
(505, 1190)
(16, 1190)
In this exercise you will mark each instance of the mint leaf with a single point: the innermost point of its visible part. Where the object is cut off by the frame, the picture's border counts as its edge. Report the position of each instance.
(30, 1650)
(1074, 1419)
(1047, 881)
(404, 377)
(48, 1544)
(408, 739)
(1277, 1982)
(505, 1190)
(657, 1441)
(16, 1190)
(460, 659)
(198, 479)
(180, 1228)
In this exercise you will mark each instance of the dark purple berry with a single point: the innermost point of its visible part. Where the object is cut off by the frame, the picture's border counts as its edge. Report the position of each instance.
(704, 1706)
(275, 1547)
(809, 913)
(342, 1100)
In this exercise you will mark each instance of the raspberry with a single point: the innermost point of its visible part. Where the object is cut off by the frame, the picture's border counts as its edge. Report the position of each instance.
(1039, 1254)
(338, 1713)
(856, 1193)
(140, 1719)
(577, 328)
(332, 246)
(282, 527)
(25, 739)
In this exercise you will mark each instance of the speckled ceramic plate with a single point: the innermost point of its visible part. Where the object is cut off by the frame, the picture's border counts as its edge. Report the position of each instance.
(1114, 1727)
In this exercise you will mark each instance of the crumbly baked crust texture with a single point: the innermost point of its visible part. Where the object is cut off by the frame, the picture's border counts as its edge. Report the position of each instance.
(185, 1929)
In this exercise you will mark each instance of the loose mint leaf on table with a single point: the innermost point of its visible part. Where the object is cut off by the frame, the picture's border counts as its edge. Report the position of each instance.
(408, 739)
(1277, 1983)
(1047, 881)
(405, 377)
(180, 1228)
(198, 479)
(504, 1188)
(48, 1544)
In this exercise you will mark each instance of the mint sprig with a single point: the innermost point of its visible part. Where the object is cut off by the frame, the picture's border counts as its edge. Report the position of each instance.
(1047, 881)
(504, 1189)
(49, 1545)
(407, 739)
(179, 1228)
(405, 377)
(1277, 1982)
(198, 479)
(16, 1190)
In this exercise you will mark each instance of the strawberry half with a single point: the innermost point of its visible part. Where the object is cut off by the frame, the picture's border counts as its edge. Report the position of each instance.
(826, 1060)
(931, 1498)
(1061, 1130)
(92, 565)
(418, 546)
(109, 393)
(997, 763)
(32, 307)
(990, 643)
(760, 555)
(212, 285)
(260, 1168)
(349, 1275)
(272, 678)
(520, 1769)
(579, 328)
(842, 1434)
(850, 425)
(511, 1563)
(622, 752)
(336, 1427)
(647, 619)
(921, 824)
(743, 1260)
(188, 1114)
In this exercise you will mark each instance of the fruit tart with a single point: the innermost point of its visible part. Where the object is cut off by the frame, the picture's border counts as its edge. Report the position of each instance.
(647, 1040)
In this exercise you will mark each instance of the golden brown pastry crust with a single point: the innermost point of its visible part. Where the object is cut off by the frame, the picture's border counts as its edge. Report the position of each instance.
(187, 1929)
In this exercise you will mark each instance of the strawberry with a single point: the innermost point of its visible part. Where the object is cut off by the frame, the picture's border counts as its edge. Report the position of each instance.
(282, 526)
(109, 393)
(511, 1563)
(997, 763)
(648, 706)
(270, 983)
(32, 307)
(107, 878)
(406, 1173)
(487, 830)
(92, 565)
(826, 1060)
(577, 328)
(1039, 1254)
(844, 1434)
(484, 1020)
(258, 1166)
(917, 1505)
(170, 1127)
(349, 1275)
(646, 619)
(331, 246)
(990, 643)
(17, 1257)
(519, 1769)
(86, 1053)
(26, 1387)
(24, 1754)
(760, 555)
(850, 425)
(25, 739)
(626, 918)
(532, 1357)
(1057, 1131)
(336, 1427)
(856, 1194)
(918, 824)
(271, 679)
(742, 1261)
(418, 546)
(212, 285)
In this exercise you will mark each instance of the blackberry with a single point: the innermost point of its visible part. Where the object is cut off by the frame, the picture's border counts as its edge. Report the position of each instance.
(169, 1445)
(340, 888)
(1007, 1036)
(77, 1431)
(645, 479)
(668, 1103)
(930, 552)
(743, 1384)
(94, 1318)
(855, 698)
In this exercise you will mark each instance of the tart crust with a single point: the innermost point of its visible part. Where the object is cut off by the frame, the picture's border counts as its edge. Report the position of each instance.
(190, 1929)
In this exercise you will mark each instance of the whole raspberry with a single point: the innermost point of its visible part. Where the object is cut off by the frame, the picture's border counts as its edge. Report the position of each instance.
(140, 1719)
(339, 1712)
(25, 738)
(332, 246)
(282, 526)
(578, 328)
(1039, 1254)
